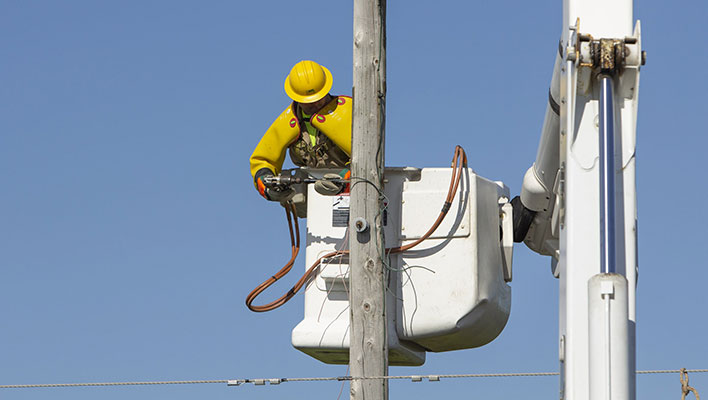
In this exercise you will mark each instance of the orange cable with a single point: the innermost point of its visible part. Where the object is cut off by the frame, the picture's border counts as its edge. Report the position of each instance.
(459, 162)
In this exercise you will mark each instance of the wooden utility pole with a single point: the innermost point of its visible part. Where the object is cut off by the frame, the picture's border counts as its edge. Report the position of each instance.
(368, 344)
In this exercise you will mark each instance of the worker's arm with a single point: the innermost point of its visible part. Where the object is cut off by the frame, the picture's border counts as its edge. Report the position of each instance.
(270, 151)
(335, 121)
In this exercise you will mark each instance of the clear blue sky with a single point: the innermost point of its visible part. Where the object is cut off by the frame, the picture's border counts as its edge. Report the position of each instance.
(130, 232)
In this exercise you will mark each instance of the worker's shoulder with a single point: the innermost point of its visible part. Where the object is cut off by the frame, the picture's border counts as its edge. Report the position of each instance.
(341, 105)
(286, 121)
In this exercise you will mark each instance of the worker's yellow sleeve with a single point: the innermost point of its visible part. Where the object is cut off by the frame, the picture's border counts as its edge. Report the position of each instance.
(270, 151)
(335, 121)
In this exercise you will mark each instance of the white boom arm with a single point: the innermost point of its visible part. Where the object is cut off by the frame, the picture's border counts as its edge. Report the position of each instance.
(580, 197)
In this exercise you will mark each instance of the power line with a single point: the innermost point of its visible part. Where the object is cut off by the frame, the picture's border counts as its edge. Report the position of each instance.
(670, 371)
(276, 381)
(54, 385)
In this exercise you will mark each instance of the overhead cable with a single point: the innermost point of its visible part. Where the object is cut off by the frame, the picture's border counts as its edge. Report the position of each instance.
(276, 381)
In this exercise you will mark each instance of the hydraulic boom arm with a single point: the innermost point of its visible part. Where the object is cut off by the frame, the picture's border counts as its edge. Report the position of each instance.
(579, 198)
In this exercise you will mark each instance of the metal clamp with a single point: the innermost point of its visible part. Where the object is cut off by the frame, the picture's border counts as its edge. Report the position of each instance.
(609, 55)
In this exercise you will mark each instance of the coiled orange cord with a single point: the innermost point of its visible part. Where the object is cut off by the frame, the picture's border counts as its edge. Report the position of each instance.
(459, 163)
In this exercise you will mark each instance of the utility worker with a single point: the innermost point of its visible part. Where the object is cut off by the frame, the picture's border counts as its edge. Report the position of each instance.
(316, 128)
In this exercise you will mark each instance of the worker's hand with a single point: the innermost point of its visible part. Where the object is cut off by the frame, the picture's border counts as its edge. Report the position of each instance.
(270, 190)
(329, 185)
(279, 194)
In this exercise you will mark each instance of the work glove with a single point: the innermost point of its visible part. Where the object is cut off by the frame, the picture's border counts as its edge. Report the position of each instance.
(329, 185)
(279, 194)
(270, 190)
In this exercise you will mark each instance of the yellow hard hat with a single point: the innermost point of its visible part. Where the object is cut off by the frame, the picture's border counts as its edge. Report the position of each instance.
(308, 82)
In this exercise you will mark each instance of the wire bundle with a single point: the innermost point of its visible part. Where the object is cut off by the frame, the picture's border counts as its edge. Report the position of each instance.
(459, 163)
